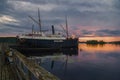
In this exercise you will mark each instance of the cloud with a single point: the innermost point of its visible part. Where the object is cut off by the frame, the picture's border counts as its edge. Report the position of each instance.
(86, 32)
(117, 4)
(84, 16)
(23, 5)
(102, 32)
(3, 5)
(7, 19)
(108, 32)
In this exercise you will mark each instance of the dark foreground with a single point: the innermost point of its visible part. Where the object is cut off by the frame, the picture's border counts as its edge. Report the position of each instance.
(7, 70)
(15, 66)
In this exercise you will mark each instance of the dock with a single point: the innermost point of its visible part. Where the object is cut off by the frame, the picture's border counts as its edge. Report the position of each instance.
(7, 71)
(18, 67)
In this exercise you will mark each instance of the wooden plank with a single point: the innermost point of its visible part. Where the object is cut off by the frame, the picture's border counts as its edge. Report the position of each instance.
(7, 71)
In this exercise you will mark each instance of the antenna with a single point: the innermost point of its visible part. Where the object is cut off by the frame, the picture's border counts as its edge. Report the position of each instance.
(39, 19)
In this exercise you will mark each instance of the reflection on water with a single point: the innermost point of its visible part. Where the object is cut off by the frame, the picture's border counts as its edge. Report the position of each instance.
(88, 62)
(99, 47)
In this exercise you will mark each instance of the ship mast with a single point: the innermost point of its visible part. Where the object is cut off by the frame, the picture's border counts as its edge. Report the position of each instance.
(39, 19)
(67, 28)
(32, 28)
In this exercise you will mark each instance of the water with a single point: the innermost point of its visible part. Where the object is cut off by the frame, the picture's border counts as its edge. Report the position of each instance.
(88, 62)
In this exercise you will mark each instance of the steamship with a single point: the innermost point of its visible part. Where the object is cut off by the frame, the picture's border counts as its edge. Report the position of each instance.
(42, 40)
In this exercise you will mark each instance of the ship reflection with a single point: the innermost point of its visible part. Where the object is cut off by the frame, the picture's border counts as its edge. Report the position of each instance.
(46, 52)
(52, 61)
(53, 58)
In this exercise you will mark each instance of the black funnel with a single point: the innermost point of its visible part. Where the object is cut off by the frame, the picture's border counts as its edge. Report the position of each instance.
(53, 30)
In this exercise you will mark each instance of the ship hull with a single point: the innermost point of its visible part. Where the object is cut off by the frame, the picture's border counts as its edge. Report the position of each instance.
(49, 43)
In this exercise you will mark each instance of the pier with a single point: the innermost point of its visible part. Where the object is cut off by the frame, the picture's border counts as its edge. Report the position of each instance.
(18, 67)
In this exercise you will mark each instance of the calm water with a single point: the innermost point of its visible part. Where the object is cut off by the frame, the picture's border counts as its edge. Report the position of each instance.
(89, 62)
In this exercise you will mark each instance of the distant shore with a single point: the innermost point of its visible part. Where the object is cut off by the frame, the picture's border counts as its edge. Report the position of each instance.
(100, 42)
(8, 39)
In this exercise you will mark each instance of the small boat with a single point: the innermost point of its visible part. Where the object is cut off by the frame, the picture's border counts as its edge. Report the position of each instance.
(42, 40)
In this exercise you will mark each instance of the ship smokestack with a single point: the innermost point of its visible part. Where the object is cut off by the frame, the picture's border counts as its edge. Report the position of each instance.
(53, 30)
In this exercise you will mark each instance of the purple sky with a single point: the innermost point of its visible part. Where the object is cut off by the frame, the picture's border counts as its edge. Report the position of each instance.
(85, 17)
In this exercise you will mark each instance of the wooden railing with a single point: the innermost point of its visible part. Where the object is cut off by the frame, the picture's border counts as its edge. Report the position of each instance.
(29, 70)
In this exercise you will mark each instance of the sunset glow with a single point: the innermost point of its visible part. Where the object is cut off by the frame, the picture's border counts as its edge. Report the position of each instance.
(101, 48)
(106, 39)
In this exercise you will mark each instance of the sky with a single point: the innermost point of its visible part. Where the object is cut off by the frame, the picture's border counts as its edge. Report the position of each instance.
(85, 17)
